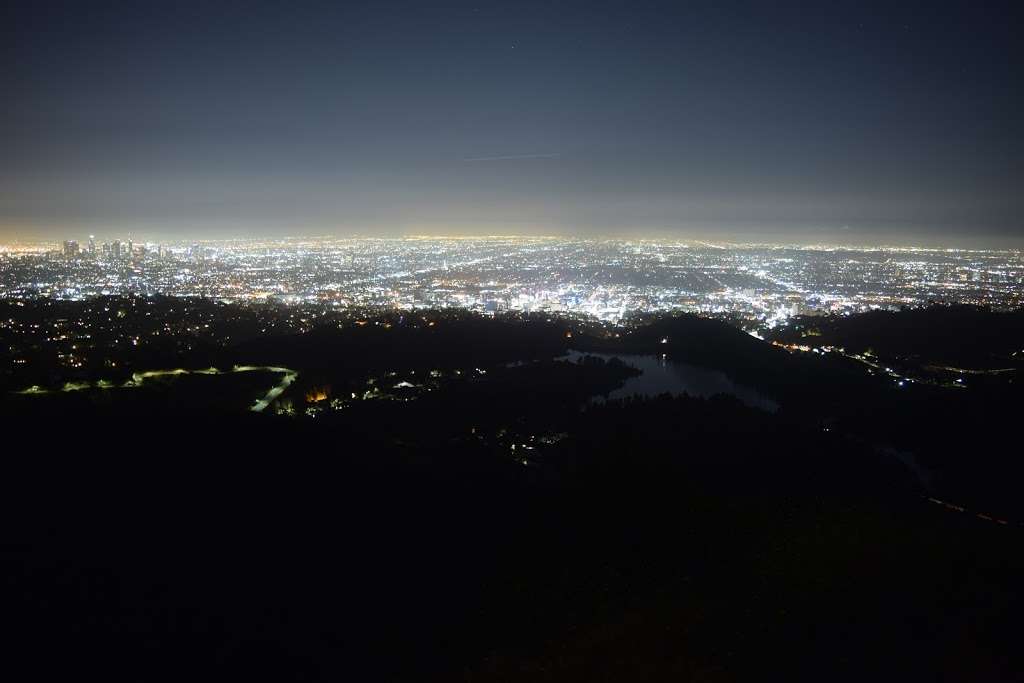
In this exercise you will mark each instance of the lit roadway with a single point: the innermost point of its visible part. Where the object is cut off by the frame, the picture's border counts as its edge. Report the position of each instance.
(138, 378)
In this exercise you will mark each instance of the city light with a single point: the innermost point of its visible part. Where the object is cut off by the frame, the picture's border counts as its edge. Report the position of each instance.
(605, 279)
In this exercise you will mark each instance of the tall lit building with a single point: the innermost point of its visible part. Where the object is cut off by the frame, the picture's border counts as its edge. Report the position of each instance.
(92, 245)
(70, 248)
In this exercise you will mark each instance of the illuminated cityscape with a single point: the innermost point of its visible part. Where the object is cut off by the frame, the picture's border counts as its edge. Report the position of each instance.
(609, 280)
(532, 342)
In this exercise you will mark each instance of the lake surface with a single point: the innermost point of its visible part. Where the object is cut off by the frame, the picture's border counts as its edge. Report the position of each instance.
(662, 375)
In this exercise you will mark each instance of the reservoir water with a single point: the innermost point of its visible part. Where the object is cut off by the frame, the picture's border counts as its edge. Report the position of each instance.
(662, 375)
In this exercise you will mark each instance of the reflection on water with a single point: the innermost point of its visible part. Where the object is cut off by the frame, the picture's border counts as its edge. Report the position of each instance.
(662, 375)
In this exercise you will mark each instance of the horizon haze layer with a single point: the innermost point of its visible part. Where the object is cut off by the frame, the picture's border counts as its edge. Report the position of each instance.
(836, 238)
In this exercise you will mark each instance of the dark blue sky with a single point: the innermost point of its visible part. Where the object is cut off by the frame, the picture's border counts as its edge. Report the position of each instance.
(849, 121)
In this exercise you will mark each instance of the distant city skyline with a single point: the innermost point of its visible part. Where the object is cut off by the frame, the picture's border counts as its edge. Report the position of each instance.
(837, 239)
(605, 279)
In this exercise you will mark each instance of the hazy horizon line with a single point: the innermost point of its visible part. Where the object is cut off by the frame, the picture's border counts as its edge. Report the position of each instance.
(733, 241)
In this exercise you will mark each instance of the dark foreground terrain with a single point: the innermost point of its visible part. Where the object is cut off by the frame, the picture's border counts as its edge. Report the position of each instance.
(441, 499)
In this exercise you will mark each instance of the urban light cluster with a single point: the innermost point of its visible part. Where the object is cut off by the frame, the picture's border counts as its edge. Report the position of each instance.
(609, 280)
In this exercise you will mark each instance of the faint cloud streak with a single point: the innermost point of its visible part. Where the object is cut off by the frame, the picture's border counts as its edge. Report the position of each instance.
(512, 157)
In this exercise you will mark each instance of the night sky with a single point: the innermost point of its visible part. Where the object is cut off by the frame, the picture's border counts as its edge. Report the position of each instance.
(847, 121)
